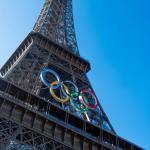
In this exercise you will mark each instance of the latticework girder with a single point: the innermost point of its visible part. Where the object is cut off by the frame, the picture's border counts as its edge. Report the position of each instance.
(56, 23)
(27, 121)
(16, 137)
(40, 52)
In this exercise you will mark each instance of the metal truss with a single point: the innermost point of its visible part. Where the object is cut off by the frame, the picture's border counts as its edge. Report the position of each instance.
(26, 74)
(56, 23)
(17, 137)
(32, 122)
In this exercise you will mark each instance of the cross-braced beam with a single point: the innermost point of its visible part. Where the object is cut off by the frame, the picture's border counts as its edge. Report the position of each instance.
(56, 23)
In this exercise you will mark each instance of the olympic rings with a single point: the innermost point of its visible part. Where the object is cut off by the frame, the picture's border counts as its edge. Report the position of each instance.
(78, 99)
(55, 96)
(85, 99)
(43, 77)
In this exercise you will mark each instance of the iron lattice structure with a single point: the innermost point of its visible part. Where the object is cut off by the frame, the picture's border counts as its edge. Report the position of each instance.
(56, 23)
(30, 118)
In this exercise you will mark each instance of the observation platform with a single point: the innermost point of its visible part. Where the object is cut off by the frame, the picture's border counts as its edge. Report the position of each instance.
(36, 38)
(51, 121)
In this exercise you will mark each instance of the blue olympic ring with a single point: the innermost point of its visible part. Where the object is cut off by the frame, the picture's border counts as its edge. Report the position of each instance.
(43, 77)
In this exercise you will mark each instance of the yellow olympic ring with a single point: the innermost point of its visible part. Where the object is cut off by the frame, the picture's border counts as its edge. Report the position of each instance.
(55, 96)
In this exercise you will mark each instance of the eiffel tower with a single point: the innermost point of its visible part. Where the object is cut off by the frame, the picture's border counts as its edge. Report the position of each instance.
(46, 99)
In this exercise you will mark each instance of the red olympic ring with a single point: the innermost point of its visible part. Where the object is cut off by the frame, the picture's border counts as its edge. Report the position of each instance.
(85, 102)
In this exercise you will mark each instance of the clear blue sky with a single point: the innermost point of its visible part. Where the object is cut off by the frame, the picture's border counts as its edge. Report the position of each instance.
(115, 37)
